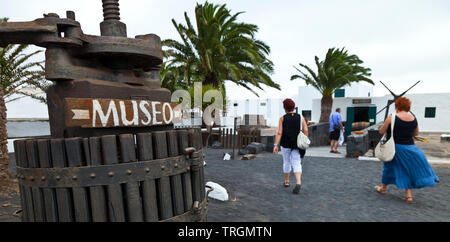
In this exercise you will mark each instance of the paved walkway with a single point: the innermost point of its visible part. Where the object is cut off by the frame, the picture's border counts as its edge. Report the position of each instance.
(324, 151)
(333, 190)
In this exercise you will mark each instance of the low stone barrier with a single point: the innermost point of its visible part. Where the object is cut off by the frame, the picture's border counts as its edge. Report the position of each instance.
(359, 144)
(319, 134)
(445, 138)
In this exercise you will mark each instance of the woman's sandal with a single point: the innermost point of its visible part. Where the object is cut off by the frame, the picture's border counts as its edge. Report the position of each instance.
(286, 184)
(380, 190)
(408, 199)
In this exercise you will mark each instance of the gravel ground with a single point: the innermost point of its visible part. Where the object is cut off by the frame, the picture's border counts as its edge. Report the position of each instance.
(332, 190)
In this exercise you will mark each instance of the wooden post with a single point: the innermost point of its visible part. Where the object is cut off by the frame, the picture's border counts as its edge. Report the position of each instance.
(114, 191)
(133, 200)
(63, 195)
(22, 161)
(183, 143)
(163, 183)
(149, 196)
(98, 197)
(80, 198)
(38, 198)
(175, 180)
(51, 210)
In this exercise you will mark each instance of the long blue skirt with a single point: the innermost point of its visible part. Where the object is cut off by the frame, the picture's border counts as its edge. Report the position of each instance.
(409, 169)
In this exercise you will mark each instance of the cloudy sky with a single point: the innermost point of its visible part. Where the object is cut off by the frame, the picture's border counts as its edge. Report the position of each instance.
(402, 41)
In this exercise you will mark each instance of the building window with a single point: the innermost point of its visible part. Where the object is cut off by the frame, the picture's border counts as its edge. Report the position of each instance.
(339, 93)
(235, 104)
(263, 104)
(306, 114)
(430, 112)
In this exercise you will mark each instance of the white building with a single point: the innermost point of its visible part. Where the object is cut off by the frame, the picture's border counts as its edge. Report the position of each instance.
(432, 109)
(272, 108)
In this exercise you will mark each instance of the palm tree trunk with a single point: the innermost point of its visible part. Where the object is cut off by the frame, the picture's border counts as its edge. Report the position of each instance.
(5, 179)
(211, 78)
(325, 108)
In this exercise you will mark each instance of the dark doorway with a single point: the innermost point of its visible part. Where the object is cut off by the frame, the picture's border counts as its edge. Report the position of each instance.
(361, 114)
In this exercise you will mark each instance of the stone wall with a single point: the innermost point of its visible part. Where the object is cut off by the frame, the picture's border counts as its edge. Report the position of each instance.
(359, 144)
(319, 134)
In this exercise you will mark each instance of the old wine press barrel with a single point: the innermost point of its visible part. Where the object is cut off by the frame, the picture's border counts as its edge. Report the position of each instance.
(113, 154)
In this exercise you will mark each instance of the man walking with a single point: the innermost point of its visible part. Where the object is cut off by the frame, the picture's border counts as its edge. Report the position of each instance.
(335, 129)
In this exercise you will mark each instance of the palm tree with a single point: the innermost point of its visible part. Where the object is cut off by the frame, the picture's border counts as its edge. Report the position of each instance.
(19, 77)
(337, 70)
(215, 50)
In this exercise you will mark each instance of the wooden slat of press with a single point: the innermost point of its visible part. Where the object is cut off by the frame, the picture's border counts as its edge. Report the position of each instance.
(63, 195)
(195, 178)
(51, 208)
(115, 199)
(202, 183)
(75, 158)
(163, 183)
(183, 143)
(99, 207)
(21, 159)
(132, 192)
(38, 197)
(195, 138)
(149, 196)
(175, 180)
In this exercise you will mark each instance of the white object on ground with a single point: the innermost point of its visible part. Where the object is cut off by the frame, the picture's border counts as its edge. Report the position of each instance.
(368, 158)
(226, 156)
(219, 192)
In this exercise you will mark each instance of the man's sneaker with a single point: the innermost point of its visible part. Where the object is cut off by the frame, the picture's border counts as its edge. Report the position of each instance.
(297, 189)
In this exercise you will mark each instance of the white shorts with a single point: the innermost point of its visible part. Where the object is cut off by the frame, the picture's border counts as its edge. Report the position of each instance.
(291, 160)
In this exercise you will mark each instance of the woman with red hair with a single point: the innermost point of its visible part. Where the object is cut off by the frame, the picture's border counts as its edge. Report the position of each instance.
(288, 130)
(410, 168)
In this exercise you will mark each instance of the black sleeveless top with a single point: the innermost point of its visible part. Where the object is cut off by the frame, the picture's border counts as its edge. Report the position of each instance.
(403, 131)
(291, 129)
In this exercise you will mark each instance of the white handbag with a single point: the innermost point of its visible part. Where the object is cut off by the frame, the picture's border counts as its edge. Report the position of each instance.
(385, 149)
(302, 140)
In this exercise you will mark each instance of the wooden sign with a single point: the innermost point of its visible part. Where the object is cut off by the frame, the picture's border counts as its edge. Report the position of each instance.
(362, 101)
(99, 113)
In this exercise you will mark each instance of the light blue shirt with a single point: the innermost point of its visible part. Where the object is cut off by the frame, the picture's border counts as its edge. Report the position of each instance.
(335, 119)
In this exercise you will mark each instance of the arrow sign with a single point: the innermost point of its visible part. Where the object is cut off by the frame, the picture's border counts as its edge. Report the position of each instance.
(80, 114)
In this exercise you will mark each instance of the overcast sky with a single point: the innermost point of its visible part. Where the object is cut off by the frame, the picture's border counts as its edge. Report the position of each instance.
(402, 41)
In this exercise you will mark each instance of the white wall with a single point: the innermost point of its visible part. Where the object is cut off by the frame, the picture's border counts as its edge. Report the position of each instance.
(441, 123)
(305, 97)
(419, 102)
(359, 90)
(272, 111)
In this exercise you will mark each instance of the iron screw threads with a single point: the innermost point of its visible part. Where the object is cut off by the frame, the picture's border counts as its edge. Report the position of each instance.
(111, 10)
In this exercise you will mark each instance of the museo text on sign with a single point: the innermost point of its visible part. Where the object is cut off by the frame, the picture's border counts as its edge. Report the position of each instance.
(98, 113)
